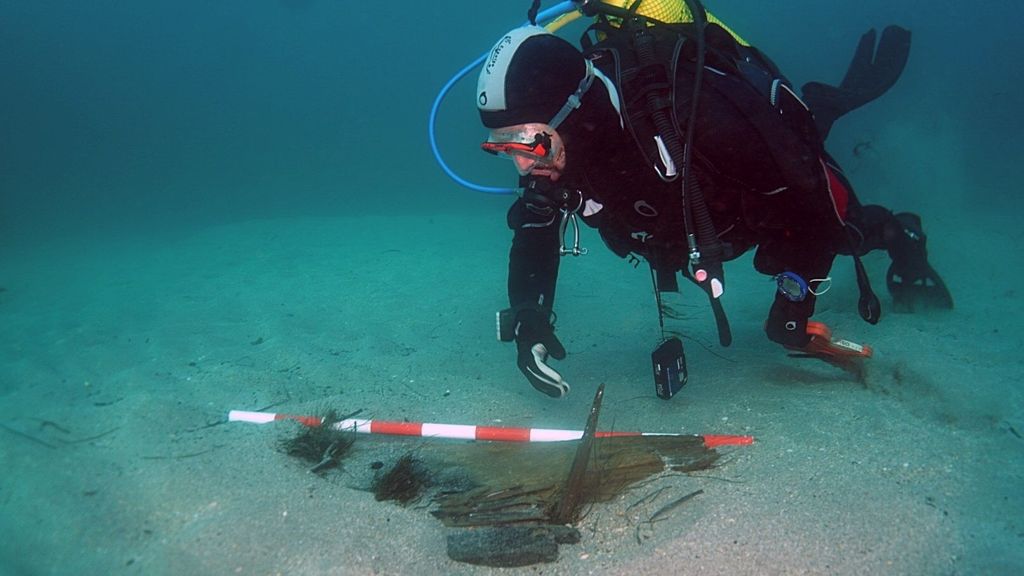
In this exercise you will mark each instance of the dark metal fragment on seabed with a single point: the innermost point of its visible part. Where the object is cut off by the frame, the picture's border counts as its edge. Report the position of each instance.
(509, 546)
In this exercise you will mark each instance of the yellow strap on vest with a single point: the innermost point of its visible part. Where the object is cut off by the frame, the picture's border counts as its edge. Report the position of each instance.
(672, 11)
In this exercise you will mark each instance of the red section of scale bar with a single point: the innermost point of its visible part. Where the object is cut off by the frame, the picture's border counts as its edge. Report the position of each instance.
(396, 428)
(716, 440)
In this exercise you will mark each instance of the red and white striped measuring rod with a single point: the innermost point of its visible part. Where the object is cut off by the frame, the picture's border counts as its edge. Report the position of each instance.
(469, 432)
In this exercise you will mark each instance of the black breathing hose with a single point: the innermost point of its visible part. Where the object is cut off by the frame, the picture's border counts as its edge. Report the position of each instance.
(702, 237)
(531, 14)
(707, 237)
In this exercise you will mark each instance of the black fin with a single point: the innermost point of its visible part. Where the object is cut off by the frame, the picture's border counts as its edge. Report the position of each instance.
(911, 280)
(924, 291)
(871, 73)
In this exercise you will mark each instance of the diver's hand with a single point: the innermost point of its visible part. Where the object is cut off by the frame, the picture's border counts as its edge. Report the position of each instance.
(787, 322)
(823, 345)
(536, 341)
(844, 354)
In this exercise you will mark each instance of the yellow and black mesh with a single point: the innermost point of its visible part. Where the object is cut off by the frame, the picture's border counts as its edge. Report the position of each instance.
(669, 11)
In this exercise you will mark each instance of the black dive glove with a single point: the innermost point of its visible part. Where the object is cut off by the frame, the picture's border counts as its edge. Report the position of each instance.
(536, 340)
(787, 322)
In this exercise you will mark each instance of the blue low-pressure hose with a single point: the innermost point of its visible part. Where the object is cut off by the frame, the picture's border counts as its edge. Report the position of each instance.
(433, 133)
(543, 16)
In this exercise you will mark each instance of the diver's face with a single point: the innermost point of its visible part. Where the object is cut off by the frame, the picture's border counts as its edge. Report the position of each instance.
(536, 149)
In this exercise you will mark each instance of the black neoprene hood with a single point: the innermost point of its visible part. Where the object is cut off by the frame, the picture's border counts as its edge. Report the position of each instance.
(527, 77)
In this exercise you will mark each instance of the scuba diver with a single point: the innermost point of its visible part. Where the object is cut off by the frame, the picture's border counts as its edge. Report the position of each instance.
(686, 147)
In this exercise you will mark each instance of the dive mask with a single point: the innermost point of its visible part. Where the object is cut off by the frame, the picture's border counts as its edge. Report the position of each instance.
(534, 148)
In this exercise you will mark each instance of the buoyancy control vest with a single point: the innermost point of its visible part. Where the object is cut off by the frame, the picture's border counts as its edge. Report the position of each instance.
(758, 150)
(758, 155)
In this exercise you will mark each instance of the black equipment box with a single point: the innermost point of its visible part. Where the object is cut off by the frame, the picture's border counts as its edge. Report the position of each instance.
(669, 364)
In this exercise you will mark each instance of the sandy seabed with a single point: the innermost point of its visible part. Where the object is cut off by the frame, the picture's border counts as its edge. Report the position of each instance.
(119, 361)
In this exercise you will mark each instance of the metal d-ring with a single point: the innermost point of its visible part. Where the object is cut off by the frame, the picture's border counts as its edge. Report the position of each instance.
(570, 215)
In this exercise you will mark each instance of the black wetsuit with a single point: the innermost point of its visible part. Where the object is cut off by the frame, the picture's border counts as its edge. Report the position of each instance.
(760, 163)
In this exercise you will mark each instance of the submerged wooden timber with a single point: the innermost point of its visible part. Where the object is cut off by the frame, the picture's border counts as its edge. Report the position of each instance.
(552, 483)
(517, 483)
